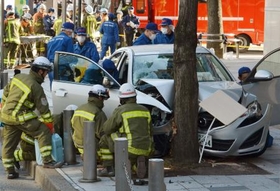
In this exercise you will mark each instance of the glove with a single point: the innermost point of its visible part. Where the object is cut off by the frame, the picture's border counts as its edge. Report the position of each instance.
(50, 126)
(118, 44)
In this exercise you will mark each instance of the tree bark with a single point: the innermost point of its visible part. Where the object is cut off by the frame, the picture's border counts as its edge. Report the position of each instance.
(185, 144)
(215, 25)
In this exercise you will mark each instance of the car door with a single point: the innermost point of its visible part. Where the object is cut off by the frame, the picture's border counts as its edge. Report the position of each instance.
(264, 82)
(71, 87)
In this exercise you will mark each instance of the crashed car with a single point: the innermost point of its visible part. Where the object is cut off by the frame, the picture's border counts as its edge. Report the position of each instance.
(150, 69)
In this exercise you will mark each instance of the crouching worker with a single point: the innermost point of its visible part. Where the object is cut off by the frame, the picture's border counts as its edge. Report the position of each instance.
(21, 96)
(90, 111)
(132, 121)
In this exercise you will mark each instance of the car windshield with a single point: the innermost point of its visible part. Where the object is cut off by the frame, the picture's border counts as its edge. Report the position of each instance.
(160, 66)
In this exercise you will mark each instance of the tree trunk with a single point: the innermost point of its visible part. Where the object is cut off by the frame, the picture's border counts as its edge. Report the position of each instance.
(215, 25)
(185, 144)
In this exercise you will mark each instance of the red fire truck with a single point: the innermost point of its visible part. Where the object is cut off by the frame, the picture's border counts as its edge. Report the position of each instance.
(245, 19)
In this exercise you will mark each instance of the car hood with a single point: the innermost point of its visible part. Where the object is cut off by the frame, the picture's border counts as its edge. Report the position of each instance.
(166, 89)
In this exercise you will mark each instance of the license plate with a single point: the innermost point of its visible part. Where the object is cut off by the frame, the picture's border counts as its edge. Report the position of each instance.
(201, 138)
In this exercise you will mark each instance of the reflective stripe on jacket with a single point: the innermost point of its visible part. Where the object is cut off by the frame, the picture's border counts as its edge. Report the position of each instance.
(12, 31)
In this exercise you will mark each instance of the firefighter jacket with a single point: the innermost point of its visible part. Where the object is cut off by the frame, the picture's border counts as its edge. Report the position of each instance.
(21, 97)
(88, 49)
(110, 32)
(57, 25)
(132, 121)
(27, 28)
(61, 42)
(91, 111)
(164, 38)
(90, 23)
(12, 31)
(38, 23)
(142, 40)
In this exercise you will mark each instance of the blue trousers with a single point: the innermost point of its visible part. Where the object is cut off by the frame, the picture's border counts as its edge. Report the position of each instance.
(105, 48)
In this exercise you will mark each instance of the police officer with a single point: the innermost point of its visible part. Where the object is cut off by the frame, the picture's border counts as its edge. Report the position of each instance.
(12, 30)
(148, 35)
(130, 23)
(110, 37)
(89, 22)
(61, 42)
(132, 121)
(90, 111)
(166, 36)
(21, 97)
(84, 46)
(39, 28)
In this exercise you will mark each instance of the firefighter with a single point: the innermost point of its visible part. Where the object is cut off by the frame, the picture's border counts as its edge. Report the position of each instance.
(21, 97)
(130, 23)
(25, 9)
(58, 23)
(89, 22)
(27, 29)
(39, 28)
(148, 35)
(166, 36)
(12, 30)
(110, 36)
(132, 121)
(90, 111)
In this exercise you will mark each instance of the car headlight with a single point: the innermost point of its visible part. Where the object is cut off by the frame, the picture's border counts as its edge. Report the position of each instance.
(254, 109)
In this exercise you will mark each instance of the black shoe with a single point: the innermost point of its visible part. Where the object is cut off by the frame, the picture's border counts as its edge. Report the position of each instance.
(16, 164)
(13, 175)
(106, 172)
(53, 165)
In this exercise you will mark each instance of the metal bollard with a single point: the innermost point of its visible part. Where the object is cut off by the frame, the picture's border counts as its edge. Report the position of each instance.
(4, 79)
(68, 144)
(122, 165)
(89, 166)
(156, 175)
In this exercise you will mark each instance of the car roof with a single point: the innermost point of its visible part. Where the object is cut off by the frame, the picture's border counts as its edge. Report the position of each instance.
(160, 48)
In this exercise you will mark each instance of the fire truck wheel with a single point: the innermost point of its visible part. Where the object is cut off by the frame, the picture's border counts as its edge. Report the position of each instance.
(245, 42)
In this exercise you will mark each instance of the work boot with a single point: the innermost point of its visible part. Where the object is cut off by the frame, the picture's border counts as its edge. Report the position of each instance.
(141, 167)
(106, 172)
(13, 175)
(53, 165)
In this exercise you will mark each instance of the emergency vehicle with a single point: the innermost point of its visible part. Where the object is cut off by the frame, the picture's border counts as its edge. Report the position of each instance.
(244, 19)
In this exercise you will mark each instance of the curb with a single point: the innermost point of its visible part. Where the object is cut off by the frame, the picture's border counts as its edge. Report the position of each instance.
(49, 179)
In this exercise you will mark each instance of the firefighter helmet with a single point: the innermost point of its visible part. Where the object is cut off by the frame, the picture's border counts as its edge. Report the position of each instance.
(100, 91)
(71, 107)
(42, 63)
(89, 9)
(43, 6)
(127, 91)
(104, 10)
(70, 7)
(25, 7)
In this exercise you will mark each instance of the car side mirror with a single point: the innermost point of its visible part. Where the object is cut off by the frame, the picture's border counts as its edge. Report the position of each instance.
(262, 75)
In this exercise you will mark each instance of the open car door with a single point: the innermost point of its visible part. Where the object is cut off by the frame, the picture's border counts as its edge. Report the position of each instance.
(264, 82)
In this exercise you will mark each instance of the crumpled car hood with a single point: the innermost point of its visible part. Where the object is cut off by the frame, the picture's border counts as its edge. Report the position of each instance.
(166, 89)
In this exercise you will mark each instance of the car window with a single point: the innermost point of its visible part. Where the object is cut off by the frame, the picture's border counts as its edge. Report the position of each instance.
(160, 66)
(77, 69)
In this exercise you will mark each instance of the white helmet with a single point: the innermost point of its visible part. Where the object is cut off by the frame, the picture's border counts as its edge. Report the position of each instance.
(42, 63)
(100, 91)
(70, 7)
(89, 9)
(103, 10)
(127, 91)
(71, 107)
(27, 16)
(43, 6)
(25, 7)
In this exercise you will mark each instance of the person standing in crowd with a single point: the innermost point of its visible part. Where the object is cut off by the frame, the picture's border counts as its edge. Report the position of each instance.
(90, 111)
(70, 11)
(132, 121)
(58, 23)
(61, 42)
(120, 27)
(12, 30)
(130, 23)
(48, 22)
(89, 22)
(39, 28)
(27, 29)
(10, 8)
(25, 9)
(110, 36)
(21, 97)
(166, 36)
(148, 35)
(84, 46)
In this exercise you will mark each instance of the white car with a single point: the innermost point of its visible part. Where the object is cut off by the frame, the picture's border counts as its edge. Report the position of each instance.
(150, 69)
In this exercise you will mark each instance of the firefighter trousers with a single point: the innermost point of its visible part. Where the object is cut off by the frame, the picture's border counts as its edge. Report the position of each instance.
(12, 136)
(10, 55)
(26, 152)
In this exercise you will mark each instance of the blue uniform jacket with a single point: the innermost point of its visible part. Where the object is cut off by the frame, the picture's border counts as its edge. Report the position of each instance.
(164, 38)
(88, 50)
(61, 42)
(110, 32)
(127, 19)
(142, 40)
